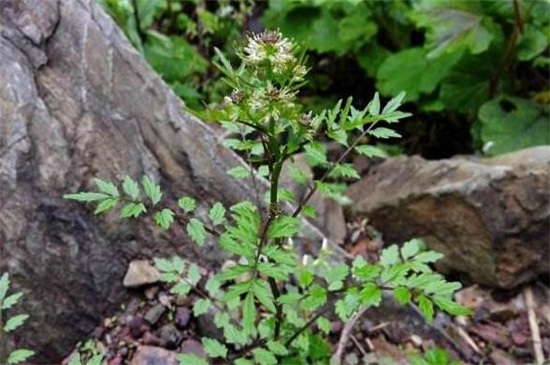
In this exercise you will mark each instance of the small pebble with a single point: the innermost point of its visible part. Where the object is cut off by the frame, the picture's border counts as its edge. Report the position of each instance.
(182, 317)
(153, 315)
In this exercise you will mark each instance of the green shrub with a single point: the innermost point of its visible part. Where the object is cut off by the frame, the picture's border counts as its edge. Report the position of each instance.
(272, 305)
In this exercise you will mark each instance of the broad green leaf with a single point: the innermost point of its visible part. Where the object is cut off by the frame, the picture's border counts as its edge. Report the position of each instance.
(371, 295)
(428, 256)
(367, 272)
(249, 313)
(181, 288)
(531, 43)
(264, 357)
(316, 297)
(451, 307)
(19, 355)
(194, 274)
(384, 133)
(243, 361)
(132, 210)
(232, 272)
(371, 151)
(164, 218)
(264, 295)
(214, 348)
(344, 170)
(86, 196)
(402, 294)
(374, 105)
(187, 204)
(426, 307)
(196, 231)
(509, 124)
(283, 226)
(95, 360)
(15, 321)
(107, 187)
(130, 187)
(191, 359)
(178, 264)
(316, 154)
(277, 272)
(394, 103)
(201, 307)
(217, 214)
(75, 359)
(277, 348)
(337, 273)
(10, 301)
(152, 190)
(106, 205)
(324, 325)
(164, 265)
(410, 248)
(239, 172)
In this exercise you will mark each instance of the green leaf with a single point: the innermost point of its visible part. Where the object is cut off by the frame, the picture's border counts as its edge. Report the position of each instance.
(344, 170)
(277, 348)
(371, 151)
(164, 265)
(194, 274)
(389, 256)
(191, 359)
(19, 355)
(264, 357)
(86, 196)
(239, 172)
(324, 325)
(75, 359)
(374, 105)
(531, 43)
(451, 307)
(316, 297)
(181, 288)
(164, 218)
(283, 226)
(178, 264)
(132, 210)
(264, 295)
(106, 205)
(426, 307)
(316, 154)
(10, 301)
(214, 348)
(371, 295)
(297, 174)
(384, 133)
(509, 124)
(337, 273)
(402, 294)
(428, 256)
(242, 361)
(130, 187)
(411, 248)
(95, 360)
(249, 313)
(217, 214)
(187, 204)
(107, 187)
(196, 231)
(15, 321)
(394, 103)
(201, 307)
(277, 272)
(4, 285)
(152, 190)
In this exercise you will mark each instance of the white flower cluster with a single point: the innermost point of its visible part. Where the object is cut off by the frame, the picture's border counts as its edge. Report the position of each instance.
(270, 47)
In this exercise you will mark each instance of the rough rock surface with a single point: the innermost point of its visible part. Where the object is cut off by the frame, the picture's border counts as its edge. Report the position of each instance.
(150, 355)
(77, 102)
(140, 272)
(490, 217)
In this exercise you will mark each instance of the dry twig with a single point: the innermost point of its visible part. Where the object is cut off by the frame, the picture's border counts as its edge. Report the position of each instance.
(533, 325)
(346, 331)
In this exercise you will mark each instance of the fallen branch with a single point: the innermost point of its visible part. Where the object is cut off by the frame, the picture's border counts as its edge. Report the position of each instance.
(533, 325)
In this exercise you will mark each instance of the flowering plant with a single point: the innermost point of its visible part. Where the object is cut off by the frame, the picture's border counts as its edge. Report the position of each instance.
(271, 305)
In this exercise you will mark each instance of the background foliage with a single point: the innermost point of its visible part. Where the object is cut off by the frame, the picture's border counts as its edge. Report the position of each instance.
(475, 72)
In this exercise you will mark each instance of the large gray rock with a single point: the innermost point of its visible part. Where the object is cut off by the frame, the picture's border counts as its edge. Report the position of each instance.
(490, 217)
(76, 102)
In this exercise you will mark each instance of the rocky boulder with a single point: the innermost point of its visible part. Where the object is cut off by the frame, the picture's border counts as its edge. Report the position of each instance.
(490, 217)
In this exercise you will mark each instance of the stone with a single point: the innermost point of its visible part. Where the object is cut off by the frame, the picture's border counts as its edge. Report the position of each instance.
(78, 101)
(170, 336)
(193, 347)
(140, 272)
(490, 217)
(153, 315)
(151, 355)
(182, 317)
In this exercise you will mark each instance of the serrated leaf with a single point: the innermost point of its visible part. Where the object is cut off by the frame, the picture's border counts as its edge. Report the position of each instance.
(217, 214)
(188, 204)
(316, 297)
(164, 218)
(201, 307)
(86, 196)
(4, 285)
(196, 231)
(152, 190)
(164, 265)
(402, 294)
(214, 348)
(15, 321)
(451, 307)
(10, 301)
(277, 348)
(191, 359)
(239, 172)
(194, 274)
(344, 170)
(297, 174)
(243, 361)
(181, 288)
(19, 355)
(426, 307)
(178, 264)
(130, 187)
(309, 211)
(264, 357)
(389, 256)
(394, 103)
(324, 325)
(336, 273)
(428, 256)
(371, 295)
(384, 133)
(374, 105)
(249, 313)
(371, 151)
(95, 360)
(212, 286)
(264, 295)
(132, 210)
(316, 154)
(410, 248)
(283, 226)
(106, 205)
(75, 359)
(107, 187)
(277, 272)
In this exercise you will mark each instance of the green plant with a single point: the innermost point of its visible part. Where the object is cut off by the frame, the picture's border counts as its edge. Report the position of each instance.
(94, 360)
(10, 323)
(435, 356)
(271, 305)
(483, 63)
